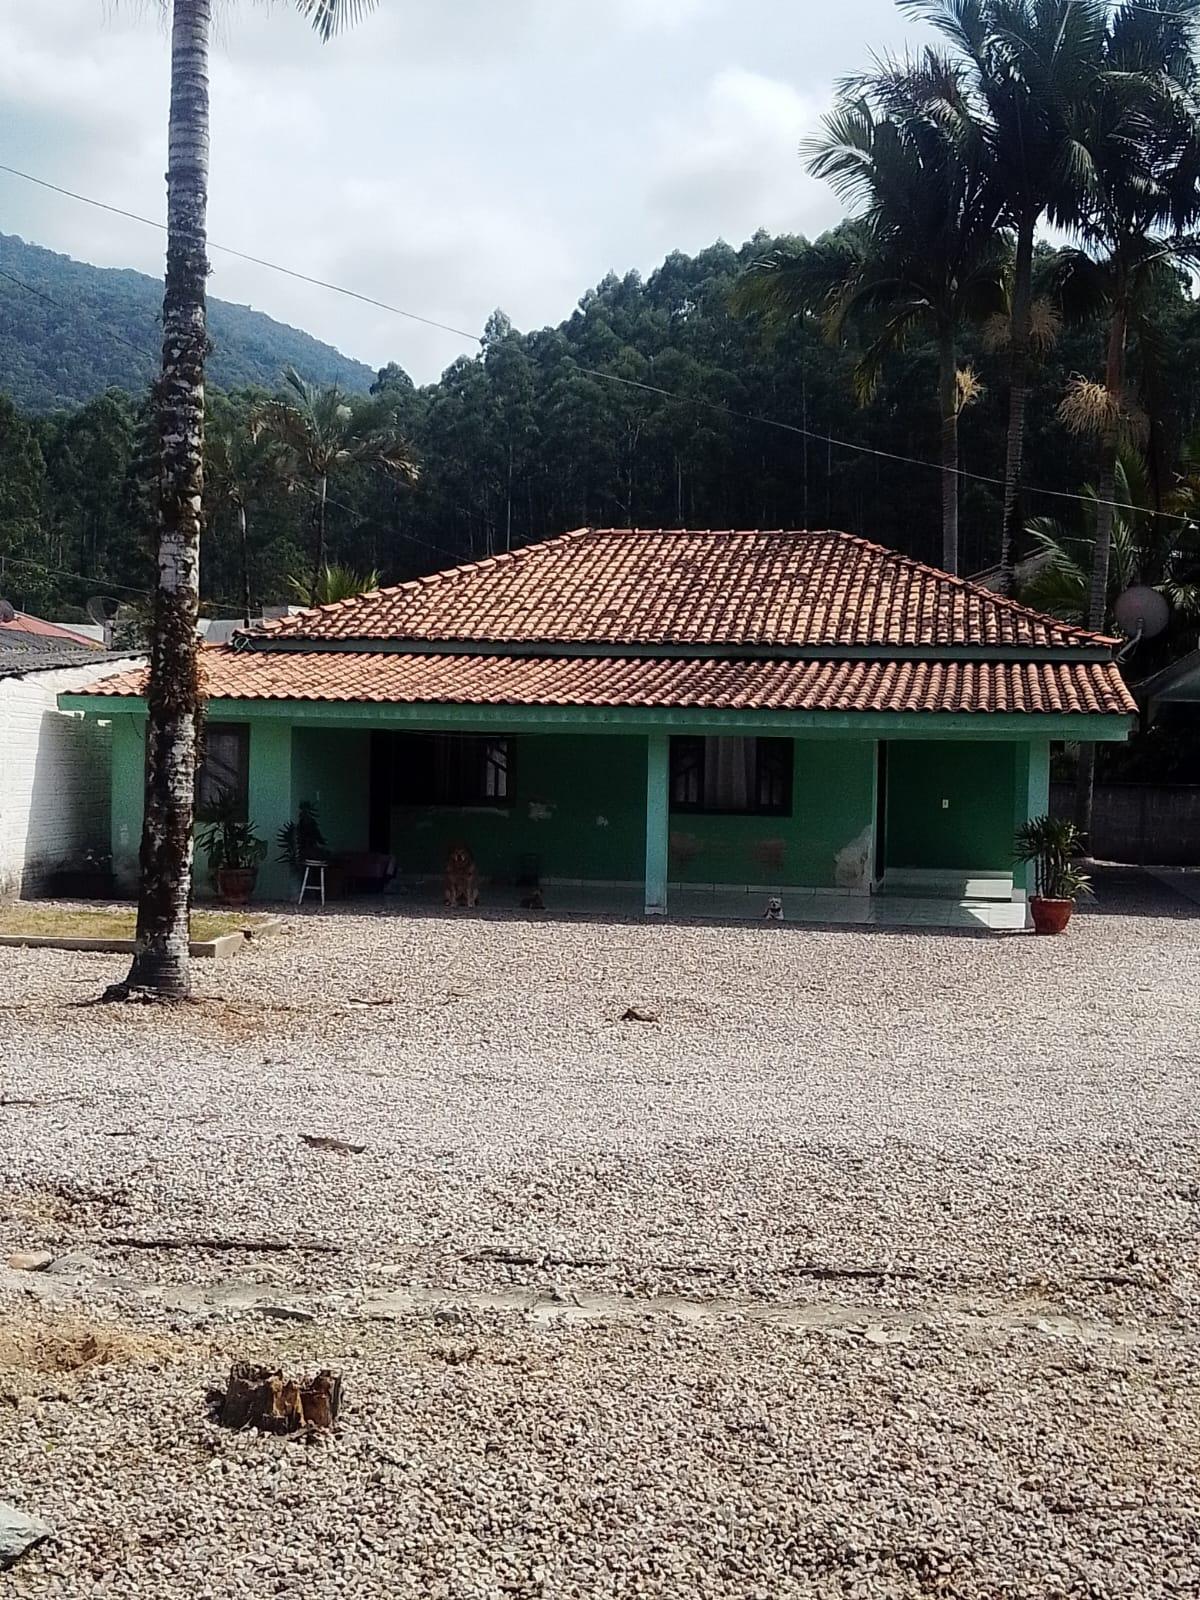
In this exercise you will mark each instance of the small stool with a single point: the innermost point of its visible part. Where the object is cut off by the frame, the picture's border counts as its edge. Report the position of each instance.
(317, 868)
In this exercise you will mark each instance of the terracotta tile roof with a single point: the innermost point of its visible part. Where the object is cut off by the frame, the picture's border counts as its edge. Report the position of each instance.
(947, 686)
(665, 586)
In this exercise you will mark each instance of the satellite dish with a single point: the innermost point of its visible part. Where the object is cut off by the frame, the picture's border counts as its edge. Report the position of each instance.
(8, 612)
(102, 609)
(1141, 612)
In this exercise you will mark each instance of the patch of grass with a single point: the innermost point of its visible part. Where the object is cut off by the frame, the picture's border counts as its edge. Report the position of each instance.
(46, 920)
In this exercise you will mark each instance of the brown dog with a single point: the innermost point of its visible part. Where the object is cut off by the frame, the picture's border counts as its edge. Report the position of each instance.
(462, 880)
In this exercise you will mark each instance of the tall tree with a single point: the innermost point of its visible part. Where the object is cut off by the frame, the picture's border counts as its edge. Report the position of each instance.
(160, 963)
(926, 254)
(1141, 136)
(242, 465)
(323, 432)
(1020, 71)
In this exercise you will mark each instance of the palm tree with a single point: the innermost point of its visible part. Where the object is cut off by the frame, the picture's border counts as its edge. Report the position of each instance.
(926, 252)
(1141, 141)
(241, 463)
(323, 432)
(333, 583)
(1019, 71)
(160, 962)
(1146, 549)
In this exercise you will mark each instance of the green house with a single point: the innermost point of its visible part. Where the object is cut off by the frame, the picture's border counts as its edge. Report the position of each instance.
(658, 713)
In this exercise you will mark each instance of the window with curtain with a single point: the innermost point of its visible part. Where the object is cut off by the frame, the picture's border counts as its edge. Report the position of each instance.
(737, 776)
(224, 766)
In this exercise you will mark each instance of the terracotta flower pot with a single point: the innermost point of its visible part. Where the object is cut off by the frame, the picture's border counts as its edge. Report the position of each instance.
(235, 885)
(1050, 916)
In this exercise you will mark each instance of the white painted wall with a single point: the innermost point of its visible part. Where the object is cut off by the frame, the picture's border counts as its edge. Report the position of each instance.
(54, 776)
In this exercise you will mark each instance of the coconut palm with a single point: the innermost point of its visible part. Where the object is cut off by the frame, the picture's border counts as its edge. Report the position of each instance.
(925, 253)
(1010, 93)
(323, 432)
(333, 583)
(160, 963)
(241, 464)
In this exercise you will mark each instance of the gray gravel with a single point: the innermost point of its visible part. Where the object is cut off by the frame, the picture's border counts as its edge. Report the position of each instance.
(871, 1267)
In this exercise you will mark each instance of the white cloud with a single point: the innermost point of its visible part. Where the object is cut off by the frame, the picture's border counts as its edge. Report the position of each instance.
(734, 157)
(445, 155)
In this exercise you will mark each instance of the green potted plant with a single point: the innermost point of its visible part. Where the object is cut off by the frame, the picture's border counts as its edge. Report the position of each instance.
(234, 850)
(301, 841)
(1052, 844)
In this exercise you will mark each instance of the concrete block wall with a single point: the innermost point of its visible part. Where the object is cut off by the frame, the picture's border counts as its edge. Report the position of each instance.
(54, 778)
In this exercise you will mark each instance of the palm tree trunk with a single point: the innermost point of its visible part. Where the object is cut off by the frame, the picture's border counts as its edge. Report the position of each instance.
(319, 567)
(948, 399)
(1110, 439)
(244, 538)
(161, 960)
(1018, 397)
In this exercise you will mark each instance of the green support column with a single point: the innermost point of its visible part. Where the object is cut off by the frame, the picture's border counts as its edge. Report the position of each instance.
(270, 800)
(1032, 797)
(658, 780)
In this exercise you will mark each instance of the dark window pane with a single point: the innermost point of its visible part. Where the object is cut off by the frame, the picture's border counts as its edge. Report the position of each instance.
(224, 767)
(450, 769)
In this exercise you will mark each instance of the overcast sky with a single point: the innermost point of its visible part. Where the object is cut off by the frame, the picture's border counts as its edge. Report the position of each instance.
(447, 156)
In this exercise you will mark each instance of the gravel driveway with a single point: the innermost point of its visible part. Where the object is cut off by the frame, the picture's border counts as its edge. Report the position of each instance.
(869, 1267)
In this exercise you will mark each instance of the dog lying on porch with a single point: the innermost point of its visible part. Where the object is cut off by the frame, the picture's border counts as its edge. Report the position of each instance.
(462, 880)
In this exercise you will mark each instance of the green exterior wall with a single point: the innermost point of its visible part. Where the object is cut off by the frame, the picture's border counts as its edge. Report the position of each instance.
(331, 768)
(577, 805)
(582, 793)
(826, 843)
(950, 805)
(128, 786)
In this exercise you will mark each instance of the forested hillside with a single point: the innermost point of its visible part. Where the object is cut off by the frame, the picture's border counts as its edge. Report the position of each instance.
(68, 331)
(533, 436)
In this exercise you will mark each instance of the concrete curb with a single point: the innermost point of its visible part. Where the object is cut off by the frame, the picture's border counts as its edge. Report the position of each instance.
(226, 944)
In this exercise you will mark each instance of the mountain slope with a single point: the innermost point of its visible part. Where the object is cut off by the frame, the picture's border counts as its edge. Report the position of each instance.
(85, 328)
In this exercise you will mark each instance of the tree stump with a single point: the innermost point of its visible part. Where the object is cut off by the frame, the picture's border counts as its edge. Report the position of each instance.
(256, 1397)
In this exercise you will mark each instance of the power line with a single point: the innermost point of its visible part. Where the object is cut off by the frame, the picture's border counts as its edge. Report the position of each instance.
(831, 440)
(40, 294)
(242, 255)
(871, 450)
(93, 582)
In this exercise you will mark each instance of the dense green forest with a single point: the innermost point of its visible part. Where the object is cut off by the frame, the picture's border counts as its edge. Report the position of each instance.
(532, 436)
(68, 331)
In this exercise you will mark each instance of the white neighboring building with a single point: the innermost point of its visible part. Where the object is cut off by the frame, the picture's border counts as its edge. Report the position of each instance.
(54, 765)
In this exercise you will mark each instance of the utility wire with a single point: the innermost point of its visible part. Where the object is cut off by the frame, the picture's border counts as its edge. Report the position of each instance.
(241, 255)
(871, 450)
(831, 440)
(40, 294)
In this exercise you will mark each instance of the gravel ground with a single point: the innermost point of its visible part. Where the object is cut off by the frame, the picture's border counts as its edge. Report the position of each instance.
(869, 1268)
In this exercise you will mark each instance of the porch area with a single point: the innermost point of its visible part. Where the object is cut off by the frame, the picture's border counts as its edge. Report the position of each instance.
(717, 820)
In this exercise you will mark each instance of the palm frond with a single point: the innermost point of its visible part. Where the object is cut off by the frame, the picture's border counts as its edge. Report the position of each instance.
(331, 16)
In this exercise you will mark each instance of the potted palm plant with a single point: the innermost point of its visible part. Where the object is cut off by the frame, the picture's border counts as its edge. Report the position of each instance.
(301, 842)
(234, 850)
(1052, 844)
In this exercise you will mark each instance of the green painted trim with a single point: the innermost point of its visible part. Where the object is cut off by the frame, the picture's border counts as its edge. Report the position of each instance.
(658, 821)
(599, 651)
(1088, 728)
